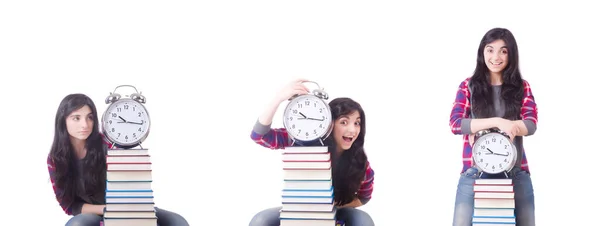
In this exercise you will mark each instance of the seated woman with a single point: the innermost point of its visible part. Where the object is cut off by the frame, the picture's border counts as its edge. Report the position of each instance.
(352, 173)
(77, 165)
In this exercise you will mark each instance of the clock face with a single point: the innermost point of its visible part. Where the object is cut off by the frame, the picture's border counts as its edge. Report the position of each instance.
(494, 153)
(126, 122)
(307, 118)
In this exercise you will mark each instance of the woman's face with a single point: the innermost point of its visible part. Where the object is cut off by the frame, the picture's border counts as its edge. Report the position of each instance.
(346, 130)
(80, 123)
(495, 55)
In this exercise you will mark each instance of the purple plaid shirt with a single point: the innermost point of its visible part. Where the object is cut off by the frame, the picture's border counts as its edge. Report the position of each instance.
(462, 109)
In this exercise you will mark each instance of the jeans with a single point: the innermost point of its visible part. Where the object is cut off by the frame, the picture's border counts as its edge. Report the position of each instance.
(165, 218)
(524, 198)
(350, 216)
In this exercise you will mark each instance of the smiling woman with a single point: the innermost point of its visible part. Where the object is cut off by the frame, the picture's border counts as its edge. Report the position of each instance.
(495, 97)
(351, 172)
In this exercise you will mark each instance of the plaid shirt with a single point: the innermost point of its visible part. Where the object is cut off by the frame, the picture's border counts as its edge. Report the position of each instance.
(70, 208)
(278, 138)
(462, 109)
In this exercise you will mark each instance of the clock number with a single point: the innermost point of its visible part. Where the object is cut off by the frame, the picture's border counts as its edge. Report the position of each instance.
(109, 121)
(133, 108)
(482, 146)
(299, 105)
(479, 153)
(134, 135)
(118, 109)
(315, 104)
(140, 129)
(486, 164)
(139, 113)
(306, 133)
(118, 134)
(320, 125)
(293, 126)
(112, 130)
(126, 137)
(505, 146)
(494, 140)
(323, 117)
(114, 115)
(300, 130)
(500, 165)
(291, 118)
(320, 110)
(307, 103)
(487, 142)
(493, 167)
(505, 160)
(126, 107)
(295, 111)
(315, 132)
(480, 160)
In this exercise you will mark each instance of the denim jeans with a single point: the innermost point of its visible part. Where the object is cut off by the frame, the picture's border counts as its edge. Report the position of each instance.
(350, 216)
(165, 218)
(524, 198)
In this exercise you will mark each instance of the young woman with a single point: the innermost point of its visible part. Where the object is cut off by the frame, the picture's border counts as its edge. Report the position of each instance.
(498, 97)
(77, 164)
(352, 173)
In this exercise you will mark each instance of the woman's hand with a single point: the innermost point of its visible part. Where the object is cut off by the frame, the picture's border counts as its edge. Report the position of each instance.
(294, 88)
(509, 127)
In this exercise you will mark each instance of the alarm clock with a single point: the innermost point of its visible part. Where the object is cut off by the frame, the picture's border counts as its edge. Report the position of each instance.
(493, 152)
(307, 118)
(126, 122)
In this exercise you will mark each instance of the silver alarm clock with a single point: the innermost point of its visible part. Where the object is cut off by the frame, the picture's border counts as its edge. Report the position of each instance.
(494, 152)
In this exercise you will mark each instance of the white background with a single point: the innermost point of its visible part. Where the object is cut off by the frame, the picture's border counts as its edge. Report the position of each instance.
(206, 167)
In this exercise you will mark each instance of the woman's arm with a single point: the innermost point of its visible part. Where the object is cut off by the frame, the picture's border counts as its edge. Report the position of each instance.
(263, 134)
(529, 113)
(270, 138)
(460, 121)
(366, 189)
(68, 209)
(276, 138)
(91, 208)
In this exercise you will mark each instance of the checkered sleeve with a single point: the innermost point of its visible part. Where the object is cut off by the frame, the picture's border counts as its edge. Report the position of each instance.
(529, 111)
(273, 138)
(366, 188)
(459, 122)
(57, 191)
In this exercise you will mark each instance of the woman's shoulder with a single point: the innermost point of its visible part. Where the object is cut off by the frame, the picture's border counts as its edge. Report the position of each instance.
(525, 83)
(49, 159)
(465, 83)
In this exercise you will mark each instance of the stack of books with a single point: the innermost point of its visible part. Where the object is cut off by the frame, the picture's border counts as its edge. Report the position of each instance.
(494, 202)
(129, 195)
(307, 195)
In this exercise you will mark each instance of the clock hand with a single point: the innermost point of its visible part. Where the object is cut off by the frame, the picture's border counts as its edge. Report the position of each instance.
(138, 123)
(491, 152)
(501, 154)
(122, 119)
(315, 119)
(302, 114)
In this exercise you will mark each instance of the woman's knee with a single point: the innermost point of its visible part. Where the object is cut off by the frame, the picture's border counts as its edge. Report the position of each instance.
(168, 218)
(355, 217)
(267, 217)
(84, 219)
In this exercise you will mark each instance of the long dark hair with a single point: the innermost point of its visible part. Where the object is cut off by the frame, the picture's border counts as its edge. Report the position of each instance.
(63, 155)
(348, 170)
(512, 83)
